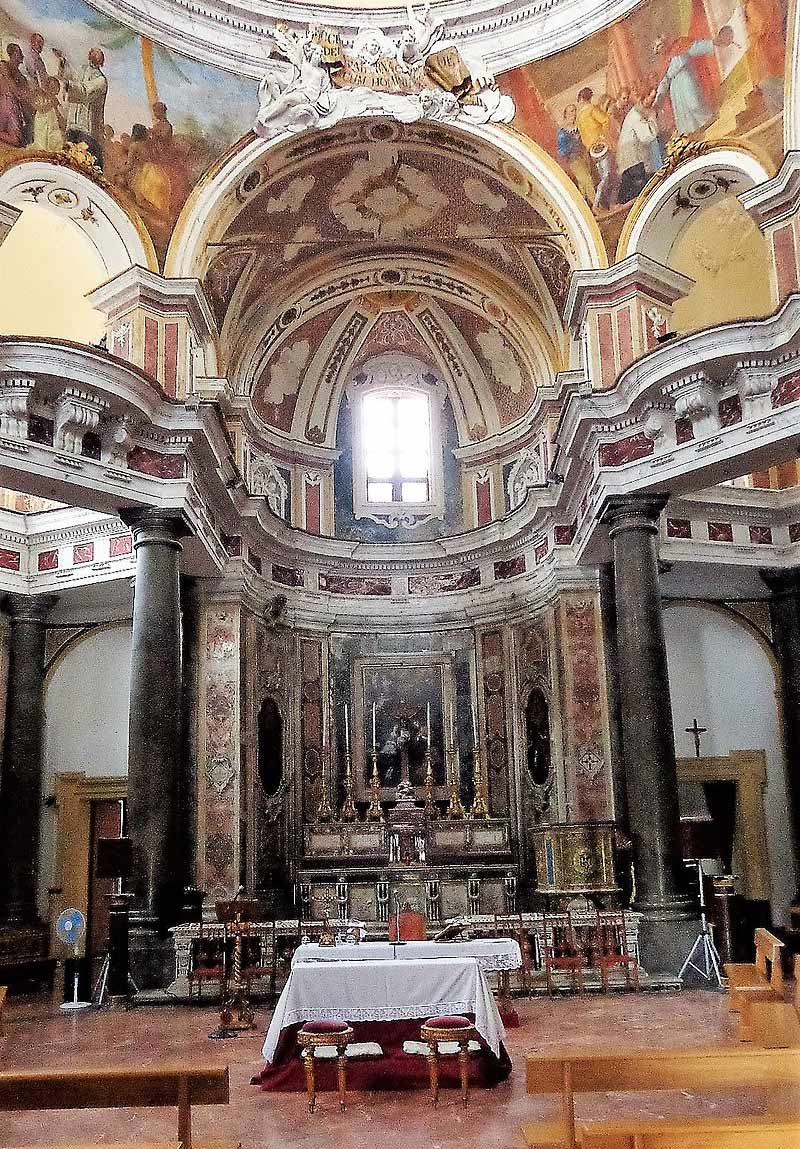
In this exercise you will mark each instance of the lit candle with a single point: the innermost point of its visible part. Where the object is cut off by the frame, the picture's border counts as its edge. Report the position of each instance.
(347, 726)
(373, 728)
(428, 721)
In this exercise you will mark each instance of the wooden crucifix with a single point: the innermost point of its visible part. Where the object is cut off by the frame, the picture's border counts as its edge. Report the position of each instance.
(695, 732)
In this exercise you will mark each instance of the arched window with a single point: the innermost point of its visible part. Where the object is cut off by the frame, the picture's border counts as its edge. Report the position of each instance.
(396, 430)
(270, 747)
(397, 449)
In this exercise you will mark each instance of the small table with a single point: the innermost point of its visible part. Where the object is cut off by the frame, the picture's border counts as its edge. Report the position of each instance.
(384, 1000)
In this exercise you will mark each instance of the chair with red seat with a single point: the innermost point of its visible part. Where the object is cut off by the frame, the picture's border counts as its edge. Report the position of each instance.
(413, 926)
(563, 951)
(206, 963)
(316, 1035)
(458, 1030)
(612, 949)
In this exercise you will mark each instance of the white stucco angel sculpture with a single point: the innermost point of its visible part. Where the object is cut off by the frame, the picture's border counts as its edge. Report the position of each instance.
(301, 101)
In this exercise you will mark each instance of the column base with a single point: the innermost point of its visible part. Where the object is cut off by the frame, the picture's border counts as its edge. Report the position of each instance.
(665, 938)
(151, 957)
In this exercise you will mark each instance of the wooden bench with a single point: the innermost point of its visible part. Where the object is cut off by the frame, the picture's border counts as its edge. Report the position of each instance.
(758, 1133)
(181, 1086)
(762, 978)
(697, 1069)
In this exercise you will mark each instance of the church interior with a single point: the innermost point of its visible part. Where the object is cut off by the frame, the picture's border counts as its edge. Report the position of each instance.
(400, 573)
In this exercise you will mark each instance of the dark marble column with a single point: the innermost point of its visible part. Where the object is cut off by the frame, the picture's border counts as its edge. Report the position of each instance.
(647, 738)
(21, 777)
(154, 726)
(784, 609)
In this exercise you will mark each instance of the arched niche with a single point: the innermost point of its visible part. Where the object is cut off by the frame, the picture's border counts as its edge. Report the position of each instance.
(538, 750)
(269, 725)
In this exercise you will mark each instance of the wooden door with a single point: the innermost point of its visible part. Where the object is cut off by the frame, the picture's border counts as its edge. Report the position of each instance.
(106, 822)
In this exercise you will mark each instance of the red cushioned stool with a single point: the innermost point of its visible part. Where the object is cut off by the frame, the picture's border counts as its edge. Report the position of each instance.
(315, 1034)
(457, 1029)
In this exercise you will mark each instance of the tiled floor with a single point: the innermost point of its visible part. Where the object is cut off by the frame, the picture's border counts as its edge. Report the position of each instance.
(38, 1035)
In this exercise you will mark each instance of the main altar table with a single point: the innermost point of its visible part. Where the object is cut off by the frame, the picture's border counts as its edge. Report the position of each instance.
(492, 954)
(385, 999)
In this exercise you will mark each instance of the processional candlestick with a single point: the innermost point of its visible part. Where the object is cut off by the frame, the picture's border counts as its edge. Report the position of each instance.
(430, 809)
(454, 806)
(375, 810)
(324, 809)
(480, 808)
(349, 812)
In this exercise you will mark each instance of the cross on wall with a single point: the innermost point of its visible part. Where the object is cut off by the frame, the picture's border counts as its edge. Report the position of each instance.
(695, 732)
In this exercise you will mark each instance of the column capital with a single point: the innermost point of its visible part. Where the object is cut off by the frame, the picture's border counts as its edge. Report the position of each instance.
(153, 525)
(633, 513)
(29, 607)
(782, 583)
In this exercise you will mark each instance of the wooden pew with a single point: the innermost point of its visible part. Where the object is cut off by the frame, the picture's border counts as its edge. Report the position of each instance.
(181, 1086)
(758, 1133)
(696, 1069)
(762, 978)
(3, 995)
(770, 1024)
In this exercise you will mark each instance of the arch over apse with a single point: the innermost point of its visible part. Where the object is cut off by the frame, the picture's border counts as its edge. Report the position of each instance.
(213, 202)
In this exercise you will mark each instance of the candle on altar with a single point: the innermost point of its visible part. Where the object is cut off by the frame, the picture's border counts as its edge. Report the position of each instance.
(474, 724)
(428, 723)
(346, 726)
(373, 728)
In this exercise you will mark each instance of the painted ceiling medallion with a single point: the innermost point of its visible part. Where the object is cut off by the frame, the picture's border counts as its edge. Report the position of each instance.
(422, 74)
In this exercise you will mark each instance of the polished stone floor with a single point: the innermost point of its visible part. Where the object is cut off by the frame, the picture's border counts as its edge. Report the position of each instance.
(36, 1034)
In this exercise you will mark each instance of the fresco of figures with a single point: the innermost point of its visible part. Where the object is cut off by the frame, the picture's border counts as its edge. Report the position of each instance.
(605, 109)
(150, 120)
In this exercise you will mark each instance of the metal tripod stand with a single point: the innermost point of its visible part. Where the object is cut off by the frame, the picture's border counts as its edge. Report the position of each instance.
(703, 950)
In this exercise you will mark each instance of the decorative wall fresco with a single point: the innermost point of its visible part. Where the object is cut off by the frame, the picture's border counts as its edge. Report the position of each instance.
(605, 109)
(75, 81)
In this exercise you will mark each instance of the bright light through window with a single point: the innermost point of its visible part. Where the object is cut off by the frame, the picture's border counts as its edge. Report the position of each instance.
(397, 447)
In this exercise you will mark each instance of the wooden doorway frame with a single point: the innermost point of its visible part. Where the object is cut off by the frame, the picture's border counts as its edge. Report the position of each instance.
(74, 796)
(748, 769)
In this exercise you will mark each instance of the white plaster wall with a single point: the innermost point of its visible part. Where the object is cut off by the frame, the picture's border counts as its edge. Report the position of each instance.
(721, 674)
(85, 723)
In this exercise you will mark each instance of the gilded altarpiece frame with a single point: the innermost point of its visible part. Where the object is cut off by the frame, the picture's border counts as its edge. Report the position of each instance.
(402, 685)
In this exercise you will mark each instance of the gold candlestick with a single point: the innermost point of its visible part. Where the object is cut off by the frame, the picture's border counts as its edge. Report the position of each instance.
(480, 808)
(454, 807)
(375, 810)
(430, 809)
(349, 813)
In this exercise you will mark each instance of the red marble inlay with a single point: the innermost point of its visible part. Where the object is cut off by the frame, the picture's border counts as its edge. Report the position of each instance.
(287, 576)
(542, 551)
(171, 358)
(9, 560)
(352, 584)
(679, 529)
(786, 390)
(47, 561)
(483, 499)
(508, 568)
(119, 545)
(151, 346)
(605, 342)
(564, 533)
(444, 583)
(156, 464)
(83, 553)
(760, 535)
(625, 335)
(312, 504)
(624, 451)
(730, 411)
(794, 532)
(684, 431)
(720, 532)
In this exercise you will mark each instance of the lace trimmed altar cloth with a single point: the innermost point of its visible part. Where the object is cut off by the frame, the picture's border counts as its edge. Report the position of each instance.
(492, 954)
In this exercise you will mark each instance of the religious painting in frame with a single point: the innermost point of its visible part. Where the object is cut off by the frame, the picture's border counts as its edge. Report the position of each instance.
(401, 690)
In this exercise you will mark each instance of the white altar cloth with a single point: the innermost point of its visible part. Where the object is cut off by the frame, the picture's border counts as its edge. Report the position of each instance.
(491, 954)
(386, 991)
